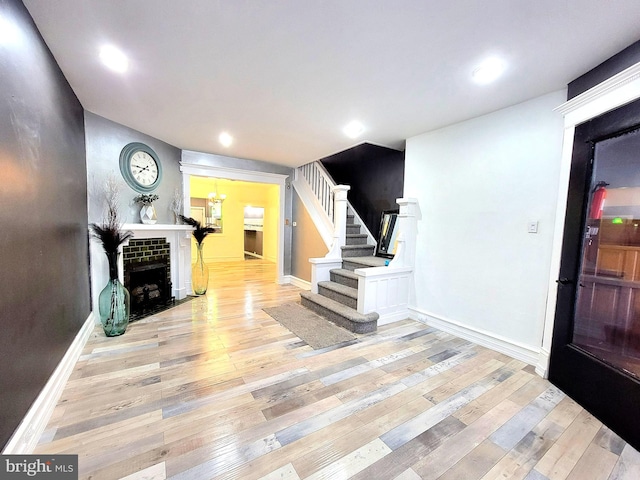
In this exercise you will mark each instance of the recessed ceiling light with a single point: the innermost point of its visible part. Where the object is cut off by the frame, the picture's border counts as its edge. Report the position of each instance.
(225, 139)
(353, 129)
(114, 59)
(488, 71)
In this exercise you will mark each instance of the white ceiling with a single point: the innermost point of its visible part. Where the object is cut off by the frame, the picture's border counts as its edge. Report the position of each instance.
(284, 76)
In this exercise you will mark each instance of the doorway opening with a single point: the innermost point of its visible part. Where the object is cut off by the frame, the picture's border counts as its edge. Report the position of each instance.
(253, 232)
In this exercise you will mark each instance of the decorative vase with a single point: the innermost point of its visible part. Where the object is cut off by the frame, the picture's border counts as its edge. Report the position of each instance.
(199, 274)
(148, 214)
(114, 302)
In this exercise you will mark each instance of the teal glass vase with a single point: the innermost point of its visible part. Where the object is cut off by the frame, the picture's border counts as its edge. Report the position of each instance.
(114, 302)
(199, 274)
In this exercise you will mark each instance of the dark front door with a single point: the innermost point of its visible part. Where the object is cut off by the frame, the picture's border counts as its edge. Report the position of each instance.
(595, 355)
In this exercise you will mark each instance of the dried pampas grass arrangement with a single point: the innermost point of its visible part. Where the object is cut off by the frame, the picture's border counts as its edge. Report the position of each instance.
(199, 232)
(109, 232)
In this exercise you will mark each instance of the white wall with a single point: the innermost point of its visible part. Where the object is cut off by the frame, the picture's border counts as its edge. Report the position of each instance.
(479, 183)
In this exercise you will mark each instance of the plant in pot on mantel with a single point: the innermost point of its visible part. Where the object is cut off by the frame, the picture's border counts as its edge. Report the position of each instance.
(199, 270)
(114, 298)
(148, 211)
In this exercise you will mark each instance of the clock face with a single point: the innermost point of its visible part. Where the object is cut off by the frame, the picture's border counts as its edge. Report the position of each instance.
(140, 167)
(143, 168)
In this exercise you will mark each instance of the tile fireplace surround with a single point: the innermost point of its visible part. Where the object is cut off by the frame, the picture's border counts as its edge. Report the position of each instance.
(179, 239)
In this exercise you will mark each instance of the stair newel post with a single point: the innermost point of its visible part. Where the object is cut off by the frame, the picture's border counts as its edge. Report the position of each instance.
(321, 267)
(339, 220)
(408, 231)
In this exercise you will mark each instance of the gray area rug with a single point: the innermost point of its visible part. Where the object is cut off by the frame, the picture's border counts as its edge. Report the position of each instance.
(309, 326)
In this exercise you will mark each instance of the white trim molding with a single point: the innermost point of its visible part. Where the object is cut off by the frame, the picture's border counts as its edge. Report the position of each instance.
(25, 438)
(279, 179)
(298, 282)
(519, 351)
(542, 368)
(608, 95)
(323, 223)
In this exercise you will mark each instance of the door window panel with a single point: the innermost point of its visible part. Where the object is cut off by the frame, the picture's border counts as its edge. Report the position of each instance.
(607, 319)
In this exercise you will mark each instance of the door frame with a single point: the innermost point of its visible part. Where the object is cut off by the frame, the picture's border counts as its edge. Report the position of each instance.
(605, 391)
(189, 169)
(614, 92)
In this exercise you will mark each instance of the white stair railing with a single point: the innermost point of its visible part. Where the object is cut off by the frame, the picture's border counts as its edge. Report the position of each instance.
(321, 184)
(311, 186)
(316, 189)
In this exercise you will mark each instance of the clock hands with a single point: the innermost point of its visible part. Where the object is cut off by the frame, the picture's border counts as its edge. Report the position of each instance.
(143, 174)
(141, 168)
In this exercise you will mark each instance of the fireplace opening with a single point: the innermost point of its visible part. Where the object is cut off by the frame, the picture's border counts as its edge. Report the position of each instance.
(148, 285)
(147, 275)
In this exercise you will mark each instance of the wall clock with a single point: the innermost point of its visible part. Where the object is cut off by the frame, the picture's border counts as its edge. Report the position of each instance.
(140, 167)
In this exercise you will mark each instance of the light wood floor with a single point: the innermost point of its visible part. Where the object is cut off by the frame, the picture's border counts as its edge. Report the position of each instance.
(215, 388)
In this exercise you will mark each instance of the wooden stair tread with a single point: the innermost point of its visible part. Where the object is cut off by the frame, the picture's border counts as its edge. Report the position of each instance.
(340, 314)
(367, 261)
(339, 288)
(343, 272)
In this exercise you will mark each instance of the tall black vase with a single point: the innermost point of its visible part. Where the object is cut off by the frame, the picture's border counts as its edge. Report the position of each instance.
(114, 301)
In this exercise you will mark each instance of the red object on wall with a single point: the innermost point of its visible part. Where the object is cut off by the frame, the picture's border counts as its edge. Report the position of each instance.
(597, 201)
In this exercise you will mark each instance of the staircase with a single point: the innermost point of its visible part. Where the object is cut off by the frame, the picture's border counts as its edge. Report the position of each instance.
(337, 299)
(349, 286)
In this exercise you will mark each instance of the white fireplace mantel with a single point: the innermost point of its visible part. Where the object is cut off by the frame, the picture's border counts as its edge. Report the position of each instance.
(179, 238)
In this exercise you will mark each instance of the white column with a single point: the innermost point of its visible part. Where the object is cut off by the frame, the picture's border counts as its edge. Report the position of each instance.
(321, 267)
(339, 221)
(321, 270)
(408, 231)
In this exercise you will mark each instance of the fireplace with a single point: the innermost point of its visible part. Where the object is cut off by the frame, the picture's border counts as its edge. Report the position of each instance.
(147, 274)
(172, 241)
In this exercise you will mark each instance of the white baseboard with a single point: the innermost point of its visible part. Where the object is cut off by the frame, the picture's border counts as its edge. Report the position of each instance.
(298, 282)
(179, 293)
(542, 366)
(26, 436)
(393, 317)
(484, 338)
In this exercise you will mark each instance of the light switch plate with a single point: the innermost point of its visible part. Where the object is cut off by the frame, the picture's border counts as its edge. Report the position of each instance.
(533, 227)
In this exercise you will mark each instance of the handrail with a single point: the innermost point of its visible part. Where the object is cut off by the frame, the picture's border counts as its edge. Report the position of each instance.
(321, 184)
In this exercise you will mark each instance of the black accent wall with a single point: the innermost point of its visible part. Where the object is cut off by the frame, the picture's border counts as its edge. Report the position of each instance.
(616, 64)
(376, 177)
(44, 267)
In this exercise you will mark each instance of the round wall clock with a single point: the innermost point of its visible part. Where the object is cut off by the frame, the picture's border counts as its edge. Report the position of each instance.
(140, 167)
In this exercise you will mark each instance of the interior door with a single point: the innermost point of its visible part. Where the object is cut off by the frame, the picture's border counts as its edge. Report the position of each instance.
(595, 355)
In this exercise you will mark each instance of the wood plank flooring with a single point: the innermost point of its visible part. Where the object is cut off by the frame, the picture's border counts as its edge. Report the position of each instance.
(215, 388)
